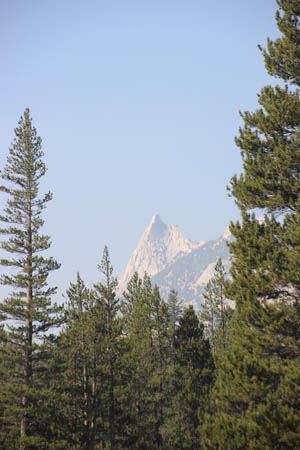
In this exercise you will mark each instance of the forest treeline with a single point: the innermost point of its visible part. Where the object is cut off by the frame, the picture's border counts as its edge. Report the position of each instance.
(141, 372)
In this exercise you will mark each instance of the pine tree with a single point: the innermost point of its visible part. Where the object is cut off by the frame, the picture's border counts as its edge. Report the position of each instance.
(256, 399)
(77, 355)
(174, 305)
(77, 374)
(87, 371)
(216, 312)
(105, 292)
(148, 341)
(192, 378)
(28, 310)
(137, 313)
(160, 375)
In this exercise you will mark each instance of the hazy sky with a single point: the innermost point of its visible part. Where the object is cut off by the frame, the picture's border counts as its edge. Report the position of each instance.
(137, 105)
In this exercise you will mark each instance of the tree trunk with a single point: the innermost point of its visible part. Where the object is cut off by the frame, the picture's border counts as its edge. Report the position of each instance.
(28, 325)
(86, 405)
(111, 386)
(94, 416)
(111, 407)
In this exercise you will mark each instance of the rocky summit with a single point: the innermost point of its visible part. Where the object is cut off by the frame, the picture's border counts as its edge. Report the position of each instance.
(175, 262)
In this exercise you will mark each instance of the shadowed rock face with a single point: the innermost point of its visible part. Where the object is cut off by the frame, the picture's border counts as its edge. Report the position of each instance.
(175, 262)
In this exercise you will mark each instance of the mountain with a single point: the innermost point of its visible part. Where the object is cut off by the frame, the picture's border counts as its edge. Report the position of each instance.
(175, 262)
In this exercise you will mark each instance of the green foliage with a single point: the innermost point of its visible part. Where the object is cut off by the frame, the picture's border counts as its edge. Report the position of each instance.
(27, 311)
(192, 378)
(216, 312)
(138, 376)
(146, 327)
(73, 369)
(256, 398)
(269, 139)
(86, 366)
(105, 293)
(174, 305)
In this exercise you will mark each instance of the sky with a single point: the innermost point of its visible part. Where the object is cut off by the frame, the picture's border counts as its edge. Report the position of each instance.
(137, 104)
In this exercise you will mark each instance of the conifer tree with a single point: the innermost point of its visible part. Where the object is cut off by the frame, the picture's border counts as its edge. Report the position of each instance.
(216, 312)
(256, 399)
(76, 344)
(77, 372)
(28, 311)
(174, 305)
(192, 379)
(146, 329)
(160, 379)
(105, 294)
(86, 367)
(175, 310)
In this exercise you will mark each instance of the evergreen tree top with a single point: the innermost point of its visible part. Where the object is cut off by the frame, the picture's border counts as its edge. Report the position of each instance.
(282, 55)
(269, 138)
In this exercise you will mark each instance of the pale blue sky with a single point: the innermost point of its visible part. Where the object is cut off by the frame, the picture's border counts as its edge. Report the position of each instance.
(137, 105)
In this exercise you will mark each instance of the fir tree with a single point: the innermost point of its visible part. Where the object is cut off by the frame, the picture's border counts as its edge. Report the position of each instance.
(256, 400)
(27, 310)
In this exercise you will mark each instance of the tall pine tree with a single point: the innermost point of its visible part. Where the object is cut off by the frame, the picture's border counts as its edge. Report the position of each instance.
(105, 294)
(146, 329)
(191, 380)
(216, 312)
(174, 305)
(256, 400)
(28, 311)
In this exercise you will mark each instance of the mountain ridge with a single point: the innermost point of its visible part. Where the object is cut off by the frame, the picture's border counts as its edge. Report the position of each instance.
(173, 261)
